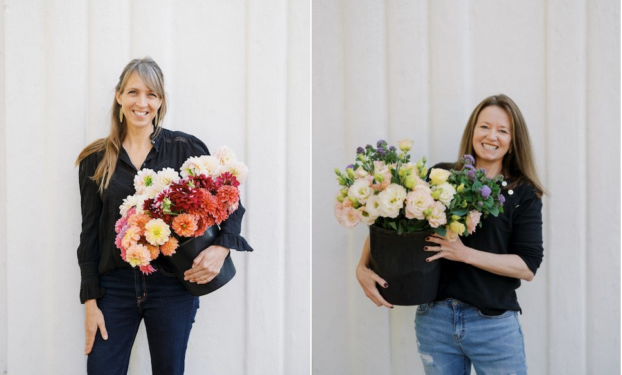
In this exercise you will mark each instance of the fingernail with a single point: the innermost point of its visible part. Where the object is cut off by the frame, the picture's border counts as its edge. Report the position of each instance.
(105, 337)
(427, 238)
(425, 248)
(391, 306)
(427, 260)
(386, 285)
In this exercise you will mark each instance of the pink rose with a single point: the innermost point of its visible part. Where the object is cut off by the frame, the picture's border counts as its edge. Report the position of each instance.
(350, 217)
(472, 220)
(417, 201)
(437, 217)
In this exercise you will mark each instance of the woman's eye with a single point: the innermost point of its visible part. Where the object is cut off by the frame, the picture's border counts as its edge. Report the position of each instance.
(132, 92)
(153, 95)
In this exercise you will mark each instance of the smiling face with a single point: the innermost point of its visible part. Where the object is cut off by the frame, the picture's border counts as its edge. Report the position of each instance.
(492, 135)
(140, 104)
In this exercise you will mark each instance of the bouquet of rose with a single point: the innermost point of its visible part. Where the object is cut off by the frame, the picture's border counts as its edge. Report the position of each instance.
(384, 188)
(205, 194)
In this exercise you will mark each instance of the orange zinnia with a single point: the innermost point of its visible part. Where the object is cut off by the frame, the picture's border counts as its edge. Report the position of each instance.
(185, 225)
(169, 246)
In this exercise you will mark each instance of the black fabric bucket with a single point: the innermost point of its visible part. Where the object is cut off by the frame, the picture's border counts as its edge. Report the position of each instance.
(400, 261)
(182, 260)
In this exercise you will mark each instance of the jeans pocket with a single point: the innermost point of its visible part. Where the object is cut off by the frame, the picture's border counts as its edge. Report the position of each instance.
(424, 308)
(504, 315)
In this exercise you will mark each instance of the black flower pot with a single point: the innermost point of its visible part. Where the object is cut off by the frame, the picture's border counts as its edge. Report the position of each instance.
(400, 261)
(182, 260)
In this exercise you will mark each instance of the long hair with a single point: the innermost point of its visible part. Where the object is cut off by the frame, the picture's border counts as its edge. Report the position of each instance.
(518, 162)
(152, 76)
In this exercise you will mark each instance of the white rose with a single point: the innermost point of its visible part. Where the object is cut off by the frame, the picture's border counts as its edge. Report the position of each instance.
(366, 217)
(447, 193)
(391, 200)
(373, 206)
(361, 190)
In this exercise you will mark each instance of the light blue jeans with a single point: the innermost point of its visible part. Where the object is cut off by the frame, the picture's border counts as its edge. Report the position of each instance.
(452, 335)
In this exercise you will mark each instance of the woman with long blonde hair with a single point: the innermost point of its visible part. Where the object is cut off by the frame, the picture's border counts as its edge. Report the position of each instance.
(118, 297)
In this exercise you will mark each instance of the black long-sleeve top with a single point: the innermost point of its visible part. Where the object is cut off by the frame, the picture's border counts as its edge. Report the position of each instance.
(516, 231)
(97, 253)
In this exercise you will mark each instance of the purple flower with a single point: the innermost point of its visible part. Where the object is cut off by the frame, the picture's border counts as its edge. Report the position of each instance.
(471, 174)
(469, 167)
(468, 159)
(350, 166)
(381, 143)
(392, 148)
(483, 170)
(382, 152)
(501, 199)
(481, 204)
(369, 147)
(360, 150)
(485, 192)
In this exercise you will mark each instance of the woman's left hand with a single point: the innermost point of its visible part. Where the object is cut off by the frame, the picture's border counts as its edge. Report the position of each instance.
(454, 250)
(207, 265)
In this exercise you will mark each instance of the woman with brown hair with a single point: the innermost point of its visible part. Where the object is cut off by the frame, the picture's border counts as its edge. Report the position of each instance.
(117, 297)
(474, 318)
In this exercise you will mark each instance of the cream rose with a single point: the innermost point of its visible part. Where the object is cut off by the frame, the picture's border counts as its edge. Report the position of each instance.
(361, 190)
(391, 200)
(417, 201)
(439, 176)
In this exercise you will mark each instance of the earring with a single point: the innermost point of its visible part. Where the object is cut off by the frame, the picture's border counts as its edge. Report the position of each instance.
(121, 115)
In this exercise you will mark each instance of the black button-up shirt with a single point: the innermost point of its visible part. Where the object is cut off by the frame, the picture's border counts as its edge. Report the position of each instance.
(97, 253)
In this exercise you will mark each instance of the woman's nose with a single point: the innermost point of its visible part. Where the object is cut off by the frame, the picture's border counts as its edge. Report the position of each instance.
(141, 101)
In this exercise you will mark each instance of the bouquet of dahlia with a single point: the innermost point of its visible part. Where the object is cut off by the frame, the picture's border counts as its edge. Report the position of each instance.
(167, 206)
(384, 188)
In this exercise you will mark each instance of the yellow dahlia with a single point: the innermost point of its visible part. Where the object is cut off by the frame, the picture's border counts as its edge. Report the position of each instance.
(157, 232)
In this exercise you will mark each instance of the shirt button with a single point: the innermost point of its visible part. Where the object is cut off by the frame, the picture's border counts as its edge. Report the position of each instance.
(455, 303)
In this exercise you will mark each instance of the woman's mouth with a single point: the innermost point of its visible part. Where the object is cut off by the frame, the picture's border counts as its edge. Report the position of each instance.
(141, 114)
(489, 147)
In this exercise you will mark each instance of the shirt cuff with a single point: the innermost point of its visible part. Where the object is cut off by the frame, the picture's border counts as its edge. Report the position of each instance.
(232, 241)
(90, 288)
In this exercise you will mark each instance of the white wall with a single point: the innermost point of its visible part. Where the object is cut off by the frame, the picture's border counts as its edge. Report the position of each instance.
(416, 69)
(237, 73)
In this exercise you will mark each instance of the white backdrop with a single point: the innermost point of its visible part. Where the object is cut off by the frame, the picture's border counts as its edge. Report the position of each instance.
(416, 69)
(237, 73)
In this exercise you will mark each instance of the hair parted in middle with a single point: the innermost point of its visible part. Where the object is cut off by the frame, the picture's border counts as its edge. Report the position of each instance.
(151, 74)
(519, 162)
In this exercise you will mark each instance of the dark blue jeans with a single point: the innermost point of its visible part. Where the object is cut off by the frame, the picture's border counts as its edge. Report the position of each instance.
(167, 308)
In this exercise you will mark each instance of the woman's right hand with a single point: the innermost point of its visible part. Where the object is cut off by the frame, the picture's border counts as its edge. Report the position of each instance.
(94, 321)
(368, 279)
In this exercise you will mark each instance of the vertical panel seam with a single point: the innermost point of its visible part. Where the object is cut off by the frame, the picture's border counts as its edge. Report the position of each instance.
(285, 258)
(3, 206)
(546, 164)
(586, 212)
(249, 202)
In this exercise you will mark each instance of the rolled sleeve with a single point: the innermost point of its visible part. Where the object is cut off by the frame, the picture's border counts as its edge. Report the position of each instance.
(88, 250)
(526, 240)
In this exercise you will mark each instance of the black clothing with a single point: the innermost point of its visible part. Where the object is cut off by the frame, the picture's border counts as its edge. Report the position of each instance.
(516, 231)
(97, 253)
